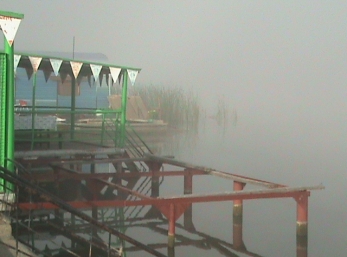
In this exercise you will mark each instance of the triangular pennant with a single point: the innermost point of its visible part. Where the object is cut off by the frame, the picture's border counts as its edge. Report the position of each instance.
(120, 78)
(16, 59)
(30, 72)
(115, 72)
(35, 62)
(9, 26)
(100, 79)
(56, 65)
(63, 76)
(95, 70)
(79, 80)
(47, 74)
(107, 79)
(90, 80)
(76, 67)
(132, 76)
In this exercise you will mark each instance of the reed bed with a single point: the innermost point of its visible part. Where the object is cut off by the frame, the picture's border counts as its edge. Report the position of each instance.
(179, 108)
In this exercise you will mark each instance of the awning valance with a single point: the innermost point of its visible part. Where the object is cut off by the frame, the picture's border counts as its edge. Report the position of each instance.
(75, 68)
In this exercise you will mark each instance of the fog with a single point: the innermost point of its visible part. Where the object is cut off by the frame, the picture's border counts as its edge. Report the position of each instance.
(277, 62)
(254, 53)
(280, 64)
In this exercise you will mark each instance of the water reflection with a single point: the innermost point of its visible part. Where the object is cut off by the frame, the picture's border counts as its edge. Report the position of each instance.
(63, 235)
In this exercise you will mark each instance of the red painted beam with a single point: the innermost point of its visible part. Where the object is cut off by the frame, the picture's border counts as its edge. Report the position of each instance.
(243, 195)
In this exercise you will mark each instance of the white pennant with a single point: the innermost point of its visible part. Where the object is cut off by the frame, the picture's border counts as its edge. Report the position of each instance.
(76, 67)
(115, 73)
(56, 65)
(16, 59)
(35, 62)
(96, 70)
(9, 26)
(132, 76)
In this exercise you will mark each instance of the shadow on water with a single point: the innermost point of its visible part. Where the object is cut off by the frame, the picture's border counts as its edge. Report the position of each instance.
(55, 233)
(63, 235)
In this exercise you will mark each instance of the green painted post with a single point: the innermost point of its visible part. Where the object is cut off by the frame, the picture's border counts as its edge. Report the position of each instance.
(103, 128)
(124, 108)
(33, 109)
(73, 106)
(2, 116)
(7, 99)
(9, 107)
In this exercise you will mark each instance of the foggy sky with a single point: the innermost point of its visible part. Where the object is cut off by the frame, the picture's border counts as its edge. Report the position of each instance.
(281, 60)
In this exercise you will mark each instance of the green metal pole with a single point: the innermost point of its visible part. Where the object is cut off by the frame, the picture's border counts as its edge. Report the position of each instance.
(10, 106)
(3, 116)
(33, 108)
(124, 108)
(73, 106)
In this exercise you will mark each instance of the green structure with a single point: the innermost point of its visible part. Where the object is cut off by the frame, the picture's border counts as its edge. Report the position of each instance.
(61, 67)
(9, 23)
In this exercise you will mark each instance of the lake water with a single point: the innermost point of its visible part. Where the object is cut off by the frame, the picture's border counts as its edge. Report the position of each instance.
(265, 150)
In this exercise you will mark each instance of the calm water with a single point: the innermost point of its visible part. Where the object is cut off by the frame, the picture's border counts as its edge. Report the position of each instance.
(273, 151)
(267, 152)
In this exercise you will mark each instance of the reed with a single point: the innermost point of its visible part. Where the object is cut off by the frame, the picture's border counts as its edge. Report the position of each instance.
(179, 108)
(225, 115)
(222, 113)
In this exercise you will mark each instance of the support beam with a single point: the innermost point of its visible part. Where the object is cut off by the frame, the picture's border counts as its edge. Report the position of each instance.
(301, 246)
(64, 152)
(72, 174)
(171, 232)
(214, 172)
(302, 214)
(238, 233)
(3, 114)
(229, 196)
(188, 189)
(155, 169)
(10, 105)
(73, 106)
(33, 111)
(238, 206)
(123, 109)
